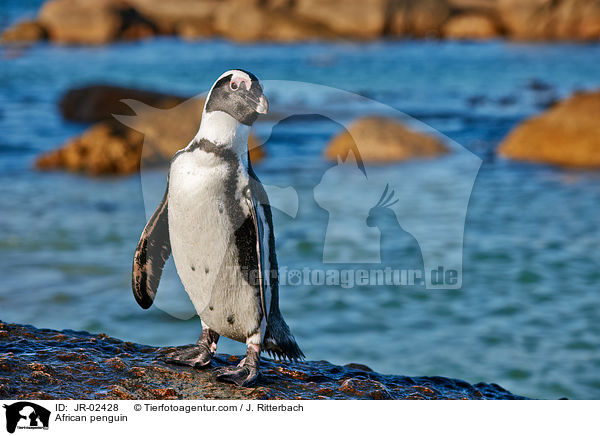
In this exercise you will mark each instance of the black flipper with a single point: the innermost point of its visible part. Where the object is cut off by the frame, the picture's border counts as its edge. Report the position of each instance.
(279, 340)
(151, 253)
(258, 231)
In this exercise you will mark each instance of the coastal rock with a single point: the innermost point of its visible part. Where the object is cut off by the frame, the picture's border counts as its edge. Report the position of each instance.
(266, 24)
(50, 364)
(419, 18)
(470, 26)
(546, 19)
(179, 16)
(82, 21)
(109, 148)
(145, 134)
(380, 139)
(473, 5)
(168, 130)
(103, 21)
(247, 26)
(194, 29)
(286, 28)
(568, 134)
(105, 148)
(526, 20)
(98, 102)
(356, 19)
(25, 31)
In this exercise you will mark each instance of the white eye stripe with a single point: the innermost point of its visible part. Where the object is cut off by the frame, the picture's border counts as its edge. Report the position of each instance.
(238, 79)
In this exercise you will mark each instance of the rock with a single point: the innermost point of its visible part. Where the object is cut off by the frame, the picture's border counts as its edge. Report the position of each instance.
(357, 19)
(152, 135)
(105, 148)
(103, 21)
(168, 130)
(186, 17)
(99, 102)
(525, 20)
(473, 5)
(136, 27)
(25, 31)
(265, 24)
(380, 139)
(419, 18)
(285, 28)
(546, 19)
(243, 27)
(585, 24)
(191, 30)
(108, 148)
(49, 364)
(568, 134)
(470, 26)
(285, 5)
(82, 21)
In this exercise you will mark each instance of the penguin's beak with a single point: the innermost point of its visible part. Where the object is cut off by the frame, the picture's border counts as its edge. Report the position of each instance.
(263, 105)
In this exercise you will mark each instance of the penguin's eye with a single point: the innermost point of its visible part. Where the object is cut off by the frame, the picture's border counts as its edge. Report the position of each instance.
(234, 86)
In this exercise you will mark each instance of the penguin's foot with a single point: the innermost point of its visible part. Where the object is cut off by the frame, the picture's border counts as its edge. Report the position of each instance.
(199, 355)
(246, 372)
(194, 356)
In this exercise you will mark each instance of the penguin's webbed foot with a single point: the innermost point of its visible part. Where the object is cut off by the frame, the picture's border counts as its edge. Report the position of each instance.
(197, 356)
(245, 373)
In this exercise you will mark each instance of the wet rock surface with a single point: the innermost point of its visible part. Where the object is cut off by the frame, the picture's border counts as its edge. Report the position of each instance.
(49, 364)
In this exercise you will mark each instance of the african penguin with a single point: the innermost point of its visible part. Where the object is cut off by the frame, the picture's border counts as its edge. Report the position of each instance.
(216, 220)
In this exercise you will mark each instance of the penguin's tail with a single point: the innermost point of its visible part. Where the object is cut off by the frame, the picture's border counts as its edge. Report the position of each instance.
(279, 341)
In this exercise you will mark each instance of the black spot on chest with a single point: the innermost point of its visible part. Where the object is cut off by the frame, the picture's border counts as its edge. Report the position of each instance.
(231, 319)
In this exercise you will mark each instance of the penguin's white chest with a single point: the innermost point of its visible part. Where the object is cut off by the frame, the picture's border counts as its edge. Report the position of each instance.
(199, 227)
(202, 242)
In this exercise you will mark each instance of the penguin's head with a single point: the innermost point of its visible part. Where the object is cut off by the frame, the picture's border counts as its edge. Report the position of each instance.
(239, 94)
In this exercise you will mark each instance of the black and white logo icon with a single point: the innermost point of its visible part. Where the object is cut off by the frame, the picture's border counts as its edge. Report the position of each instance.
(26, 415)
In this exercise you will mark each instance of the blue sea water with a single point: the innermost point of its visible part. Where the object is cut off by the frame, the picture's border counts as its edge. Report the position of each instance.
(526, 316)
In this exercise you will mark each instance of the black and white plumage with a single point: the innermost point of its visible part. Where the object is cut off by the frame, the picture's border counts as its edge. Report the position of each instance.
(216, 221)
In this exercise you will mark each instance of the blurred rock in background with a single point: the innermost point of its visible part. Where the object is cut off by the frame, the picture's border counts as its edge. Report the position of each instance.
(160, 125)
(378, 139)
(98, 102)
(568, 134)
(103, 21)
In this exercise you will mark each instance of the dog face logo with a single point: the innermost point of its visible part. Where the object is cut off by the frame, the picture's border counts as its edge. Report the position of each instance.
(26, 415)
